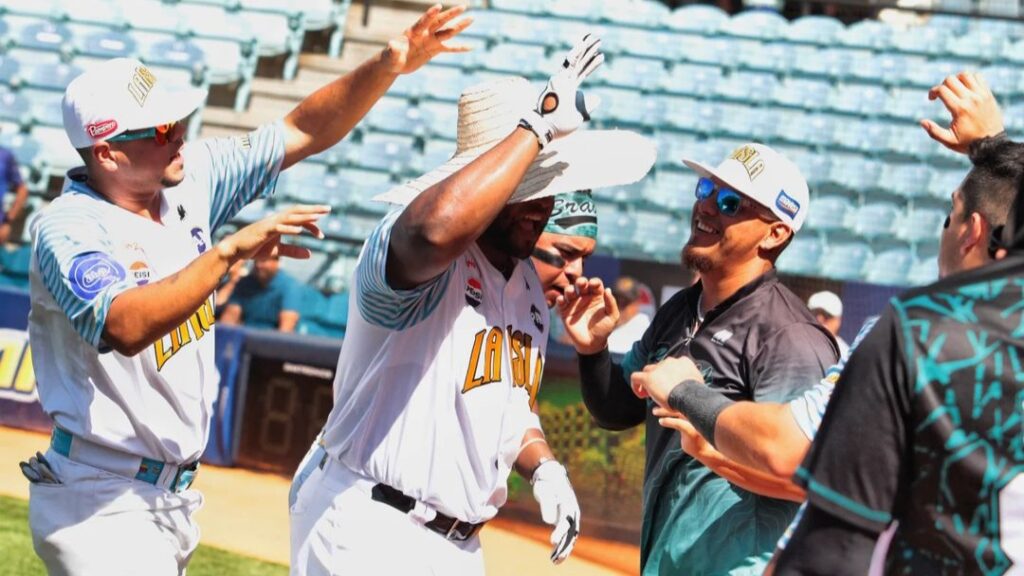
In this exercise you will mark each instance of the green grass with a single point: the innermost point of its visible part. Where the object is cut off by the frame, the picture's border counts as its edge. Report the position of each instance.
(20, 560)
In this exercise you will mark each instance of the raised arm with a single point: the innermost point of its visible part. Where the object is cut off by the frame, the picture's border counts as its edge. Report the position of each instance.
(974, 110)
(329, 114)
(441, 223)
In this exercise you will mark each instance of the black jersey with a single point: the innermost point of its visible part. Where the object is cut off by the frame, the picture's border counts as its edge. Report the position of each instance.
(925, 427)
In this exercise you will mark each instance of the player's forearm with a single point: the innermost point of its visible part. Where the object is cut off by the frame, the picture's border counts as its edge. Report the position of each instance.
(748, 478)
(140, 316)
(607, 395)
(763, 436)
(444, 220)
(329, 114)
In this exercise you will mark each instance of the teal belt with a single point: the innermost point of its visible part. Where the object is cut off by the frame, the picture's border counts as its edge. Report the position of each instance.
(149, 470)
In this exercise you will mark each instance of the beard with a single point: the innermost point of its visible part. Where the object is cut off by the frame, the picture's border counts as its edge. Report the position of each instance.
(694, 261)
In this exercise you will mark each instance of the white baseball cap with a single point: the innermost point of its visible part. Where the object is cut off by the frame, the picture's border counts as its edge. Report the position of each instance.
(765, 176)
(120, 95)
(827, 302)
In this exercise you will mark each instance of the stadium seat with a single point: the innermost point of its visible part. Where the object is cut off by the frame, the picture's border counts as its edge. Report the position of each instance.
(860, 99)
(804, 93)
(396, 116)
(906, 104)
(693, 80)
(518, 59)
(53, 77)
(757, 24)
(876, 220)
(577, 9)
(382, 155)
(442, 119)
(955, 24)
(435, 153)
(924, 271)
(27, 151)
(328, 315)
(46, 36)
(808, 130)
(739, 86)
(844, 260)
(360, 186)
(890, 267)
(830, 213)
(622, 106)
(536, 7)
(813, 165)
(673, 147)
(647, 14)
(45, 106)
(698, 19)
(904, 179)
(154, 16)
(526, 30)
(944, 181)
(666, 244)
(671, 189)
(35, 8)
(829, 63)
(921, 224)
(864, 136)
(14, 107)
(817, 30)
(851, 174)
(976, 46)
(102, 13)
(867, 34)
(106, 44)
(1012, 30)
(922, 40)
(801, 257)
(775, 58)
(743, 122)
(1005, 81)
(183, 55)
(908, 142)
(650, 44)
(711, 51)
(632, 72)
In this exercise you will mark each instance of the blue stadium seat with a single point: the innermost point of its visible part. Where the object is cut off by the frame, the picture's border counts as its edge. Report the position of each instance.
(869, 34)
(228, 64)
(632, 72)
(435, 153)
(54, 77)
(924, 271)
(673, 147)
(775, 58)
(944, 181)
(179, 54)
(955, 24)
(648, 14)
(617, 230)
(830, 213)
(978, 46)
(801, 257)
(864, 136)
(851, 173)
(889, 68)
(818, 30)
(103, 13)
(578, 9)
(671, 189)
(808, 130)
(921, 224)
(804, 93)
(35, 8)
(277, 36)
(537, 7)
(442, 119)
(328, 317)
(890, 267)
(361, 186)
(813, 165)
(904, 179)
(834, 63)
(46, 36)
(489, 25)
(1004, 80)
(106, 44)
(619, 105)
(27, 151)
(14, 107)
(860, 99)
(712, 51)
(396, 116)
(698, 19)
(303, 183)
(672, 234)
(907, 104)
(382, 155)
(741, 121)
(1010, 29)
(45, 106)
(909, 142)
(923, 74)
(844, 260)
(876, 220)
(740, 86)
(922, 40)
(154, 16)
(757, 24)
(692, 80)
(518, 59)
(527, 30)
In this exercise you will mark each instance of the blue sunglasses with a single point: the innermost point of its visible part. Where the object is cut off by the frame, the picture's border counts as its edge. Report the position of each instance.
(728, 200)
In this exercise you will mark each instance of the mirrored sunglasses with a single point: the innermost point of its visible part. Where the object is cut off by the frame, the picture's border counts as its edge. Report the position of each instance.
(728, 200)
(159, 133)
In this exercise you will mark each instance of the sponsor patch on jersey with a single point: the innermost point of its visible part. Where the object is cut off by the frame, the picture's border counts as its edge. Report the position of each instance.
(787, 204)
(538, 320)
(474, 292)
(244, 141)
(721, 337)
(199, 239)
(102, 128)
(139, 271)
(92, 272)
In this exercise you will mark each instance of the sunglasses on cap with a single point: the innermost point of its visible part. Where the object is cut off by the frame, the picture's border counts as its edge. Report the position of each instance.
(728, 200)
(159, 133)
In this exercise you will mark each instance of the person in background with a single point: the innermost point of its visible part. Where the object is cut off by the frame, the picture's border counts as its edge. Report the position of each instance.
(633, 319)
(10, 180)
(266, 298)
(828, 309)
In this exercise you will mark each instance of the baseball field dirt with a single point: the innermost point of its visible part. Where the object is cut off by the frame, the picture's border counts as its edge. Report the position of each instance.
(245, 512)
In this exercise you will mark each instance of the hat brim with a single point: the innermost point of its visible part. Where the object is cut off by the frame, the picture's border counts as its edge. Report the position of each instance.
(708, 172)
(581, 161)
(169, 105)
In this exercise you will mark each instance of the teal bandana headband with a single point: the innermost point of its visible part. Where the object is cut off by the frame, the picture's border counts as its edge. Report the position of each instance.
(574, 214)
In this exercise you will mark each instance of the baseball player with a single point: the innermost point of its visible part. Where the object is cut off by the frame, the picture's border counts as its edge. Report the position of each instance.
(122, 316)
(569, 237)
(446, 341)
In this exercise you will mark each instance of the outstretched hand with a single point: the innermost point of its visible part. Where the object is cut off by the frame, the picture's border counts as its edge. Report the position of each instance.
(657, 380)
(589, 312)
(263, 238)
(974, 110)
(425, 39)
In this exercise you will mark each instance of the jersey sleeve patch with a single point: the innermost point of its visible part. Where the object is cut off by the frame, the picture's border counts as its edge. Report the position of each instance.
(90, 273)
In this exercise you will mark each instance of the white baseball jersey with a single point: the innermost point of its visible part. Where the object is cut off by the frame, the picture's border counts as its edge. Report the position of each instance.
(87, 251)
(434, 385)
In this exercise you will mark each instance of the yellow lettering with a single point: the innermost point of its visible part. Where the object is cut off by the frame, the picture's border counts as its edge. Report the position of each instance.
(534, 387)
(25, 381)
(492, 356)
(206, 317)
(10, 358)
(162, 355)
(472, 381)
(518, 368)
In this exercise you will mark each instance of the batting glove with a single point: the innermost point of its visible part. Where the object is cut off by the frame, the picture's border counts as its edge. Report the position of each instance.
(562, 108)
(558, 506)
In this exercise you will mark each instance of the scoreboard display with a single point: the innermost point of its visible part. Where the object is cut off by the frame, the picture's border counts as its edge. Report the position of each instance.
(284, 403)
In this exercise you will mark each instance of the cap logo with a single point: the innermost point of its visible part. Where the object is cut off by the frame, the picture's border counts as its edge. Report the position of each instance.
(101, 129)
(141, 84)
(750, 159)
(787, 204)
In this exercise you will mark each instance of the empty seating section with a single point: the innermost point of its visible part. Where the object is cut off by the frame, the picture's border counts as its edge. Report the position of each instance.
(842, 101)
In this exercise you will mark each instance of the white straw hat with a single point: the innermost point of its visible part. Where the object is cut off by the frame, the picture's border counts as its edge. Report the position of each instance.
(119, 95)
(583, 160)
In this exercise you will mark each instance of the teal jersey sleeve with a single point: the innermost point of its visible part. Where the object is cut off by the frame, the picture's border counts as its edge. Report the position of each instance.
(74, 258)
(238, 169)
(382, 305)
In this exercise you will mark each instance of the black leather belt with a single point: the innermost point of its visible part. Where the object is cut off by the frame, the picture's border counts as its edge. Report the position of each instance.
(450, 528)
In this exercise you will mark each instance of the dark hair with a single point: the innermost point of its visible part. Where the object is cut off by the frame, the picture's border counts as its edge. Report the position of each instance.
(991, 185)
